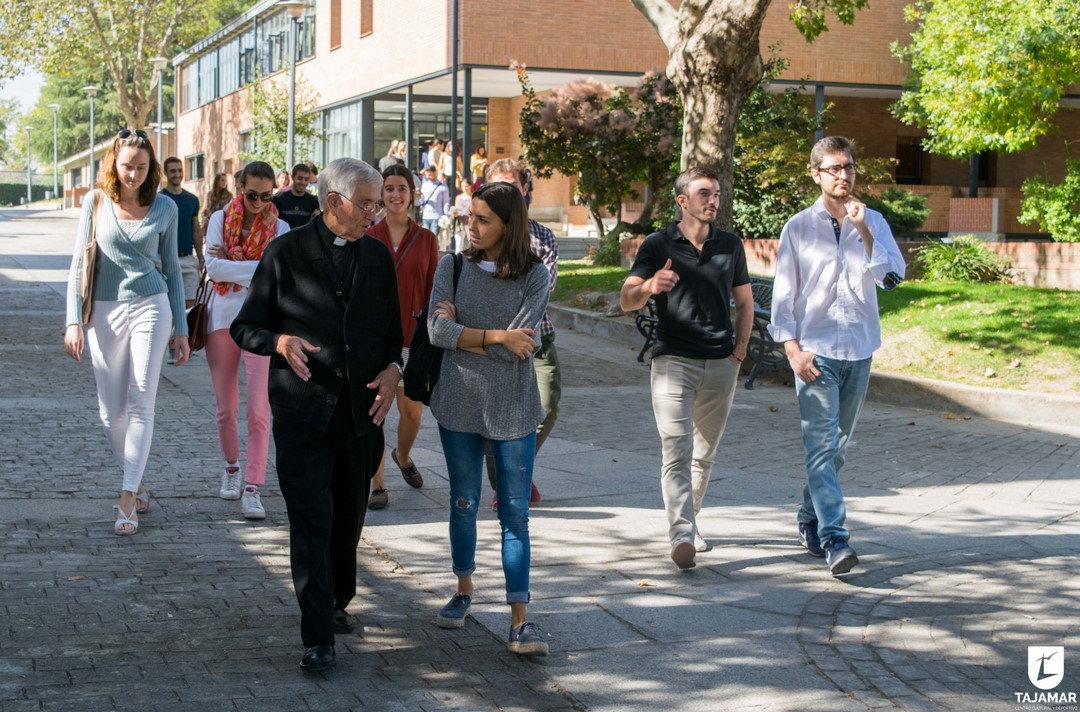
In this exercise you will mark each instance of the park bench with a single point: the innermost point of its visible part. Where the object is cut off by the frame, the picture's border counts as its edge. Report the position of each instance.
(762, 350)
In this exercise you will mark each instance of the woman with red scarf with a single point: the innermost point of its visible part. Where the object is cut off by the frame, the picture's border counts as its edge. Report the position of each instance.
(235, 240)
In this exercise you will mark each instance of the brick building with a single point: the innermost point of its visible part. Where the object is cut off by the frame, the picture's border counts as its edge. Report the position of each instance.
(383, 71)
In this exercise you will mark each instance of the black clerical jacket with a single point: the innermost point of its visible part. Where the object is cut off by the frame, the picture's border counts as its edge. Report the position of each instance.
(294, 292)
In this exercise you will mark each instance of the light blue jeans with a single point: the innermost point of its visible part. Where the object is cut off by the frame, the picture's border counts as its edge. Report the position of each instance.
(830, 406)
(464, 454)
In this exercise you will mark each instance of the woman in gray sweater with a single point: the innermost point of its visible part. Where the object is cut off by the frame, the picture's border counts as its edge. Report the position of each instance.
(138, 296)
(487, 394)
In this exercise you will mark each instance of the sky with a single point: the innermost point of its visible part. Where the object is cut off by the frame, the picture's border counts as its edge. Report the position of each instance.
(25, 87)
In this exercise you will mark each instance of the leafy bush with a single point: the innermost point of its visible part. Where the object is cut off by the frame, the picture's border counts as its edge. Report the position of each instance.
(903, 210)
(965, 258)
(1055, 207)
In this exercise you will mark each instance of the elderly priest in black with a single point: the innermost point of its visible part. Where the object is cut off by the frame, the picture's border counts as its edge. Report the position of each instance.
(324, 305)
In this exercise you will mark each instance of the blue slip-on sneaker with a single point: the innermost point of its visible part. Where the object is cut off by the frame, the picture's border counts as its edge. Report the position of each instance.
(808, 537)
(526, 640)
(840, 557)
(454, 613)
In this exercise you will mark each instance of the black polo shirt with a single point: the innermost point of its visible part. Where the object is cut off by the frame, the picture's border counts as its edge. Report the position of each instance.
(294, 209)
(694, 318)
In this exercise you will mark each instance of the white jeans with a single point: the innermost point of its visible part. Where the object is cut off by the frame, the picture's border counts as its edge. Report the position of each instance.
(127, 346)
(691, 399)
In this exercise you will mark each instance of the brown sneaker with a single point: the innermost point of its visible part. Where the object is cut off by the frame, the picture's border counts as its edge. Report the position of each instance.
(409, 472)
(379, 499)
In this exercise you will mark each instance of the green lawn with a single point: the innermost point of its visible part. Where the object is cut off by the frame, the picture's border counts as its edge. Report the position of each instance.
(1006, 336)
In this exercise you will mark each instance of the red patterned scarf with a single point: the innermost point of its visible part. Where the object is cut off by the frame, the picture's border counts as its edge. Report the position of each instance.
(238, 247)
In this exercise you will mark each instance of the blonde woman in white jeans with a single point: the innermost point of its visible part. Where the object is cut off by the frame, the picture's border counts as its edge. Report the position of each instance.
(138, 296)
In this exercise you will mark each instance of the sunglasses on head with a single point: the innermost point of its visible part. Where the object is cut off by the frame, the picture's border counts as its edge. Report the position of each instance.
(128, 133)
(252, 196)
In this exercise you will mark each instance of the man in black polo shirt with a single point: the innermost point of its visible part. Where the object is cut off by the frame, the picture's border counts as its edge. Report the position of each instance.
(296, 206)
(694, 271)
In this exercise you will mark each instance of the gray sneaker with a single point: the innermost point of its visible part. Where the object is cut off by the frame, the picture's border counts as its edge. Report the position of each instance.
(526, 640)
(699, 542)
(454, 613)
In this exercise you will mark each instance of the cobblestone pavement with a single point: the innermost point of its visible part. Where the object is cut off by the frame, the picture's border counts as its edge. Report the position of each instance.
(967, 531)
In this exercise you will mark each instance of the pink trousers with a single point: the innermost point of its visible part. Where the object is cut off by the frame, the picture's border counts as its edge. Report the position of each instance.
(224, 356)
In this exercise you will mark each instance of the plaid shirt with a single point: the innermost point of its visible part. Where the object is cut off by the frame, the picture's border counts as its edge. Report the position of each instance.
(546, 248)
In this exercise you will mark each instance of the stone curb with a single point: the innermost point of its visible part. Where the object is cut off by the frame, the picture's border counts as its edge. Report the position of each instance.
(1043, 410)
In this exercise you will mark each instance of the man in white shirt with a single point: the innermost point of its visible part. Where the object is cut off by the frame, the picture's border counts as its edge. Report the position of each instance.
(831, 259)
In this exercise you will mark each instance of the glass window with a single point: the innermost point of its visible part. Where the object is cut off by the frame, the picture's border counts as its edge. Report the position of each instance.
(343, 132)
(208, 77)
(190, 86)
(248, 57)
(195, 167)
(305, 38)
(229, 67)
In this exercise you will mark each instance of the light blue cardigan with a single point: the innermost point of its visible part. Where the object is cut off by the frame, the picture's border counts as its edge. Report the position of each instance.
(141, 265)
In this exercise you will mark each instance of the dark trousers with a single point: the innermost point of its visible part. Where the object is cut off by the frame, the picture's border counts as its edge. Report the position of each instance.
(324, 478)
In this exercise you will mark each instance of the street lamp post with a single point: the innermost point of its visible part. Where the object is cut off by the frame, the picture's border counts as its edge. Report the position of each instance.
(29, 194)
(159, 66)
(55, 158)
(91, 91)
(295, 9)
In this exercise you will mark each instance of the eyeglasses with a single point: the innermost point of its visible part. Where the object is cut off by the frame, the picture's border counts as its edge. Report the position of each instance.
(128, 133)
(252, 196)
(373, 208)
(836, 170)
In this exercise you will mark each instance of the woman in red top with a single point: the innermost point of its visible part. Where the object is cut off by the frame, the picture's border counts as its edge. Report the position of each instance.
(416, 254)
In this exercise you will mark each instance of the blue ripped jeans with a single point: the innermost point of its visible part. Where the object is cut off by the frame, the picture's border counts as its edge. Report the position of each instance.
(465, 465)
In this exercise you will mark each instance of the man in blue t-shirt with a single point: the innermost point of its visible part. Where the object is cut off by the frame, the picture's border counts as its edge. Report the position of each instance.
(189, 237)
(694, 272)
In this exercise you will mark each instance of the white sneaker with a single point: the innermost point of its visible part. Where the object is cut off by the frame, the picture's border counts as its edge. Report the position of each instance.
(251, 503)
(230, 482)
(699, 543)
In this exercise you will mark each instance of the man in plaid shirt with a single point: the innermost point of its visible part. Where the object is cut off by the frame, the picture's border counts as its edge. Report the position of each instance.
(546, 359)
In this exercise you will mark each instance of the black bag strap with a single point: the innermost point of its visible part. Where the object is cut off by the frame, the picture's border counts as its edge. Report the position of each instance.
(459, 260)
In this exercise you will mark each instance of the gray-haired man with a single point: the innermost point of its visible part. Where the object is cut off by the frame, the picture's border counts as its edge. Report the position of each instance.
(324, 305)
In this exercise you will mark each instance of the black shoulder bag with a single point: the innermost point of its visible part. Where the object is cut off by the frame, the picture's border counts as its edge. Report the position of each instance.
(425, 360)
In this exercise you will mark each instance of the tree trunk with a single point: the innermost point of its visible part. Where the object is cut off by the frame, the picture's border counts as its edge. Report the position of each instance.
(715, 62)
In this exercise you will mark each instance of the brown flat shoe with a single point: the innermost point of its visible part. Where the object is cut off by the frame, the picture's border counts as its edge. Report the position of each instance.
(410, 473)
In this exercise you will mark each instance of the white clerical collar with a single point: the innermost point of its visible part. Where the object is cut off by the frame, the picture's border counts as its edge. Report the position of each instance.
(340, 241)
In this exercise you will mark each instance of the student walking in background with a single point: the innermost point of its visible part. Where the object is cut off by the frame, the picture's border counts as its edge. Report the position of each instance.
(487, 394)
(235, 242)
(416, 254)
(135, 305)
(218, 197)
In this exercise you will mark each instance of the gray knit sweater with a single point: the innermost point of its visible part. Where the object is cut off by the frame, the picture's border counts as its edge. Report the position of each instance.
(128, 265)
(493, 395)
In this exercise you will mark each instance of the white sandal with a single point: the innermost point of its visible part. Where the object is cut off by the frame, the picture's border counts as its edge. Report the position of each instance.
(143, 497)
(123, 520)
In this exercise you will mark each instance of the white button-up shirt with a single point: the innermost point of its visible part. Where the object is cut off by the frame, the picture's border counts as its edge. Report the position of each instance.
(825, 295)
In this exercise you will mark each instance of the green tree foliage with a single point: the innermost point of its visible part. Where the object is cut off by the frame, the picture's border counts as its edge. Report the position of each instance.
(714, 61)
(988, 74)
(610, 138)
(965, 258)
(270, 121)
(73, 117)
(1055, 207)
(106, 38)
(903, 210)
(772, 154)
(9, 115)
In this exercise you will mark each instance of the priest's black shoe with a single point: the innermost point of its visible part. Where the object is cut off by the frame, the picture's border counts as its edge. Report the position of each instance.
(343, 622)
(318, 657)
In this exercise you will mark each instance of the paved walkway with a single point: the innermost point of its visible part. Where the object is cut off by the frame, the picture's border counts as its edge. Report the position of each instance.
(967, 530)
